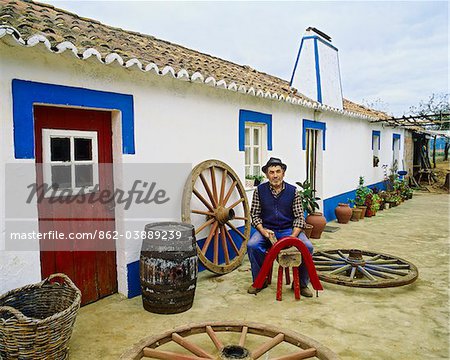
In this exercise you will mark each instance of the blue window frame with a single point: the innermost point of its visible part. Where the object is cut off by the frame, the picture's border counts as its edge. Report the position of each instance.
(396, 137)
(375, 134)
(316, 125)
(255, 117)
(27, 93)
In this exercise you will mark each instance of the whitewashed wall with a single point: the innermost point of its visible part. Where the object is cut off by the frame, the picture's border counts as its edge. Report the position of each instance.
(317, 69)
(305, 78)
(178, 121)
(330, 76)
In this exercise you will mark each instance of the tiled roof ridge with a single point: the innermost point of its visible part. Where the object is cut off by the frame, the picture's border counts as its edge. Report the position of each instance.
(209, 70)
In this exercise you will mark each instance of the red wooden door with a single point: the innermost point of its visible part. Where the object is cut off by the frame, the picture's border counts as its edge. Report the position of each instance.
(74, 146)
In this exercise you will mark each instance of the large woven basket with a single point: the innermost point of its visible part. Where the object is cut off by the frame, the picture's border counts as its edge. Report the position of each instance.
(36, 321)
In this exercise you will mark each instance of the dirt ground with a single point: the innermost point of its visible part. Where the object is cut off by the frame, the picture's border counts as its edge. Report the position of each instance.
(440, 172)
(408, 322)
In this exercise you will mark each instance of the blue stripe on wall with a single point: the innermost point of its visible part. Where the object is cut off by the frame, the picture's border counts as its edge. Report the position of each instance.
(331, 203)
(133, 278)
(296, 62)
(255, 117)
(27, 93)
(317, 125)
(319, 85)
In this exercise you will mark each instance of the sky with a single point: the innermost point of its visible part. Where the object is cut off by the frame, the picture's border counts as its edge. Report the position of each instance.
(392, 54)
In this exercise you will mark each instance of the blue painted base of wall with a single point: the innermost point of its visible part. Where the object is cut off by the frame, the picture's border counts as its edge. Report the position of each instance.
(331, 203)
(134, 284)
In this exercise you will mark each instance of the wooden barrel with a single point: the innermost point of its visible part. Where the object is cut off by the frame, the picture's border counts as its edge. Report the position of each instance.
(168, 267)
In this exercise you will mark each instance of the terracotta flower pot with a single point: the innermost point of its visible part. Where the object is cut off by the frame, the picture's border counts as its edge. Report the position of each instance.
(308, 230)
(369, 213)
(343, 213)
(363, 210)
(356, 214)
(318, 221)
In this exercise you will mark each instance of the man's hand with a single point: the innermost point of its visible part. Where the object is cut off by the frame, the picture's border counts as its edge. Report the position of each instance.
(296, 231)
(267, 233)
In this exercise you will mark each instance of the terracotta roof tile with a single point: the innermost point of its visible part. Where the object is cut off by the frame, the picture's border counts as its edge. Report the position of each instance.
(351, 106)
(57, 25)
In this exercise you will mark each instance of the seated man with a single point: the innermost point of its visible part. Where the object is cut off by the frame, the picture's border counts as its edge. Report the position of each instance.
(276, 211)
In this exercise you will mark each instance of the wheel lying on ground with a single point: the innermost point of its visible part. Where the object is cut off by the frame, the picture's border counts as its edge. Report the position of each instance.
(360, 268)
(229, 340)
(214, 201)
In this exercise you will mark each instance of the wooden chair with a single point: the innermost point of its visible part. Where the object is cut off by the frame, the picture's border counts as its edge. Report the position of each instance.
(427, 173)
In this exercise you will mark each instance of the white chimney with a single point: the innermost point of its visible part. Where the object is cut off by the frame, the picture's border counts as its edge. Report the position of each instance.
(316, 72)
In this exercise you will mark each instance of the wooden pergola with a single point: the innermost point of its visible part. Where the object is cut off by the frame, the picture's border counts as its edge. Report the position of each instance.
(424, 124)
(420, 123)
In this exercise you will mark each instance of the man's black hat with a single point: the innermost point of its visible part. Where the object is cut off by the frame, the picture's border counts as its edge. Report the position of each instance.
(274, 162)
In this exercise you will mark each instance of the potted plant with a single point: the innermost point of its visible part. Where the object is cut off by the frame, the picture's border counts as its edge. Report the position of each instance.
(404, 190)
(410, 193)
(356, 212)
(373, 204)
(397, 200)
(361, 193)
(389, 198)
(394, 200)
(258, 179)
(310, 205)
(368, 205)
(253, 180)
(379, 198)
(383, 200)
(249, 181)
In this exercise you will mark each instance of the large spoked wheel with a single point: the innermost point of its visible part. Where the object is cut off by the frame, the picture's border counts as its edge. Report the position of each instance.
(359, 268)
(229, 340)
(214, 201)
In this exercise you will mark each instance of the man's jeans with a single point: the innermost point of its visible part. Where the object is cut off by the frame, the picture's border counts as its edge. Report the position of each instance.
(258, 246)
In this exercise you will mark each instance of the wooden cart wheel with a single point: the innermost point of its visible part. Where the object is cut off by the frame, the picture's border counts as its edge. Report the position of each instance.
(214, 201)
(359, 268)
(229, 340)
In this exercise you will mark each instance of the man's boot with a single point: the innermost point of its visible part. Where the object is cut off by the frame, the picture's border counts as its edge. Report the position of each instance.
(252, 290)
(304, 291)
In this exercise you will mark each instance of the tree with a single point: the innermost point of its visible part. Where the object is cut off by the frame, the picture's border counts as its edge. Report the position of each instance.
(377, 104)
(437, 108)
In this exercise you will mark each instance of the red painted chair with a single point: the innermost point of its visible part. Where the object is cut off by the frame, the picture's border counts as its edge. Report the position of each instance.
(266, 269)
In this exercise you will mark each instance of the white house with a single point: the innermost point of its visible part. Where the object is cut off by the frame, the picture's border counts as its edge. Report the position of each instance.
(76, 94)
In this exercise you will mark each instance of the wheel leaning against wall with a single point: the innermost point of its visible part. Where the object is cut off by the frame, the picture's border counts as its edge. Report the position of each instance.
(214, 201)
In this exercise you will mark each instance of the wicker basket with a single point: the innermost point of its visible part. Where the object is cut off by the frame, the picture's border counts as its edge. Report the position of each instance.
(36, 321)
